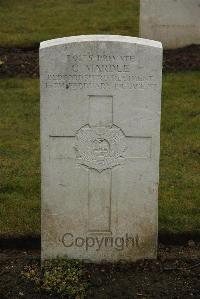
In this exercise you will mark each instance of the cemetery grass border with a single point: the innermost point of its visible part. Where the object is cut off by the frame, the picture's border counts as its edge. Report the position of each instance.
(179, 166)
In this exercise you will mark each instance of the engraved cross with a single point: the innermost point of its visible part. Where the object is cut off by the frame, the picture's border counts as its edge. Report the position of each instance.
(100, 146)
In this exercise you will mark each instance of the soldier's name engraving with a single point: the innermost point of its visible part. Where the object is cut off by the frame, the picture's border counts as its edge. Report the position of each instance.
(102, 68)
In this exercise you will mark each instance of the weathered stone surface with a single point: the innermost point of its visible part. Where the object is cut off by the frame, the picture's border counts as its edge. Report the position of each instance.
(176, 23)
(100, 135)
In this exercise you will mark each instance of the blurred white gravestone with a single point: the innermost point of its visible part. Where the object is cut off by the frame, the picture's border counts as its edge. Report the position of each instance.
(100, 135)
(176, 23)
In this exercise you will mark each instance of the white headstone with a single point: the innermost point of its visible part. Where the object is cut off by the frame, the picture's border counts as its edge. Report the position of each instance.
(176, 23)
(100, 141)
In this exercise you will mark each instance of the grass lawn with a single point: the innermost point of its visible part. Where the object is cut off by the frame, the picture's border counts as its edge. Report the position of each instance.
(179, 204)
(179, 193)
(24, 23)
(19, 157)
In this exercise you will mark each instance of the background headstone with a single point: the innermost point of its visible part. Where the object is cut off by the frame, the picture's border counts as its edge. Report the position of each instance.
(176, 23)
(100, 141)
